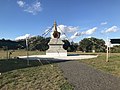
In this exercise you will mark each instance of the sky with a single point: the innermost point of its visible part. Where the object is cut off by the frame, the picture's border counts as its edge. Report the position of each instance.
(78, 19)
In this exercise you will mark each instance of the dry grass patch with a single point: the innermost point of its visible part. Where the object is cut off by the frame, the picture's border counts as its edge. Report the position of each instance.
(3, 54)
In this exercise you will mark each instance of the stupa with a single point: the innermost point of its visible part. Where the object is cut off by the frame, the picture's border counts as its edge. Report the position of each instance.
(56, 44)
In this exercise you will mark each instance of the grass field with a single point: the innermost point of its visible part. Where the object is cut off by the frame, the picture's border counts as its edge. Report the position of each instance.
(17, 75)
(3, 54)
(112, 67)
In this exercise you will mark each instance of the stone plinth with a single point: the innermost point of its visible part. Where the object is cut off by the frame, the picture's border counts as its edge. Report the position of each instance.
(56, 48)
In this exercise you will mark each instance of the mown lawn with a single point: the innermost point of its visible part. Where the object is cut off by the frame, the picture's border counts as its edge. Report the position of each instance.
(17, 75)
(113, 66)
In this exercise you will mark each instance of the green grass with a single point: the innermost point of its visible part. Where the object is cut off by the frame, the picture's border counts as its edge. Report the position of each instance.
(17, 75)
(113, 66)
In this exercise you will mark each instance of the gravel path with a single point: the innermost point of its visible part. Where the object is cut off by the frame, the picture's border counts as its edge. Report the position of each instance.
(85, 77)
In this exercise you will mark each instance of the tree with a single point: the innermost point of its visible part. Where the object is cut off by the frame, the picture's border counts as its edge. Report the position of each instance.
(70, 47)
(34, 43)
(66, 44)
(86, 45)
(89, 44)
(115, 49)
(73, 47)
(21, 44)
(39, 43)
(9, 44)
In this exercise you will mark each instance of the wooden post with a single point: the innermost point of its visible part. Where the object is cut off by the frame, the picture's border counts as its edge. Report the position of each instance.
(7, 54)
(27, 51)
(107, 54)
(110, 48)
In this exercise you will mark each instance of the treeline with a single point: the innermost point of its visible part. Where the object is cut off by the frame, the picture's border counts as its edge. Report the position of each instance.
(8, 44)
(41, 44)
(115, 49)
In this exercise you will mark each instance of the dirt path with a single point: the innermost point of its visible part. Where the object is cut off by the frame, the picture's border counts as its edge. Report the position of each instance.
(85, 77)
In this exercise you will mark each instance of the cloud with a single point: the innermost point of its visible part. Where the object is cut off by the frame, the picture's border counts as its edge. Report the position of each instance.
(21, 3)
(23, 37)
(76, 34)
(103, 23)
(33, 8)
(88, 32)
(63, 37)
(68, 29)
(89, 37)
(63, 29)
(111, 29)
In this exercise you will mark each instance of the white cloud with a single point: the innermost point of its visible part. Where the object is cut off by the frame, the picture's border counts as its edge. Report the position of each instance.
(23, 37)
(63, 37)
(21, 3)
(67, 29)
(76, 34)
(103, 23)
(89, 37)
(33, 8)
(88, 32)
(111, 29)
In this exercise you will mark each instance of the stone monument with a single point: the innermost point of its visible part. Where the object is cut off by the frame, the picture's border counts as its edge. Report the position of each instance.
(56, 44)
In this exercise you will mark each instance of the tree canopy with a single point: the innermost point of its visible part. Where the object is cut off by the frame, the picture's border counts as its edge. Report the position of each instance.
(89, 44)
(39, 43)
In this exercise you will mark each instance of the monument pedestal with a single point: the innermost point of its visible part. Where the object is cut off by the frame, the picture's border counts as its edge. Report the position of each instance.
(56, 48)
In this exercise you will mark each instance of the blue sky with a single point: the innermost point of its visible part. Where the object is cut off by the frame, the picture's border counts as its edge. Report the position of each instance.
(77, 18)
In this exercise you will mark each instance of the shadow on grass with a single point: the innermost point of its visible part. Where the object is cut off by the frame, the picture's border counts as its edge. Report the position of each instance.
(73, 54)
(82, 54)
(14, 64)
